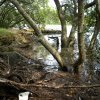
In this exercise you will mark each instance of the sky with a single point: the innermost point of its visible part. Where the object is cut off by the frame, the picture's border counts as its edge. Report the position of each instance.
(52, 4)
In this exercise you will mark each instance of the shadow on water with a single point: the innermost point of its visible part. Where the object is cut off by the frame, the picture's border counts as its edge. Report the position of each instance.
(51, 64)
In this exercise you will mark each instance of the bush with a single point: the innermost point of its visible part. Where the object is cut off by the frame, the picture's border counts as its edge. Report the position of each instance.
(6, 36)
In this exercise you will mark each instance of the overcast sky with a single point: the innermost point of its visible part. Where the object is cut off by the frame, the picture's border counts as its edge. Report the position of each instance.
(52, 4)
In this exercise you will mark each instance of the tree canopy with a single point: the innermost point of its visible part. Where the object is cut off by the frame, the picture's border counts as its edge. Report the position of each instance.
(38, 10)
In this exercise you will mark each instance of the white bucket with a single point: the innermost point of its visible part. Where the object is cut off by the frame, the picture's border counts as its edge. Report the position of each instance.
(23, 95)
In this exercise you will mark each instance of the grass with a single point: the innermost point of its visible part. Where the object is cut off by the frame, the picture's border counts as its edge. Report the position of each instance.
(6, 36)
(5, 32)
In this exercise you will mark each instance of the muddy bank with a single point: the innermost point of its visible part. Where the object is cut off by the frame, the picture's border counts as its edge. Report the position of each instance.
(24, 76)
(54, 86)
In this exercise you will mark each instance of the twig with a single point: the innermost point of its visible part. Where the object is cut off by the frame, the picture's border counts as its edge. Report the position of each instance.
(2, 2)
(25, 86)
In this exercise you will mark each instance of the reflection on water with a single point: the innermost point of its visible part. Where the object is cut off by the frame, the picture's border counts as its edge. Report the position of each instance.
(51, 64)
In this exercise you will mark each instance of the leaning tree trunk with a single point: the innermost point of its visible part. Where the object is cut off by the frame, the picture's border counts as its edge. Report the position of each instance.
(39, 34)
(98, 6)
(71, 38)
(96, 32)
(97, 26)
(61, 15)
(81, 44)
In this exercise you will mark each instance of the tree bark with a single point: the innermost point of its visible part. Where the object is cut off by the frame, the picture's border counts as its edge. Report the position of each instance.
(61, 16)
(39, 34)
(81, 44)
(94, 37)
(98, 6)
(70, 40)
(96, 29)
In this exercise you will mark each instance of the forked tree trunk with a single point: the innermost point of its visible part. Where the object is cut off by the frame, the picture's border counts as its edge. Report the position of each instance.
(39, 34)
(81, 44)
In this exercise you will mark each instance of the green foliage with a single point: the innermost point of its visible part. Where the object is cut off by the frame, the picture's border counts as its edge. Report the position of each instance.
(90, 19)
(69, 9)
(37, 9)
(52, 17)
(5, 32)
(9, 17)
(6, 37)
(42, 13)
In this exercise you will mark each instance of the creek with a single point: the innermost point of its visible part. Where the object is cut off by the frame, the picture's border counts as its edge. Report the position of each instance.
(89, 72)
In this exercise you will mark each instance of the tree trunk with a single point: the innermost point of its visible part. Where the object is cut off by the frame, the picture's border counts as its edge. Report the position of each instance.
(64, 33)
(39, 34)
(61, 16)
(81, 44)
(96, 32)
(97, 26)
(70, 40)
(98, 6)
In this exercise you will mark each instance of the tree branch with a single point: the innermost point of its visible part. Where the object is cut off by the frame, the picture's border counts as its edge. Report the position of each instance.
(17, 22)
(26, 86)
(38, 33)
(2, 2)
(90, 5)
